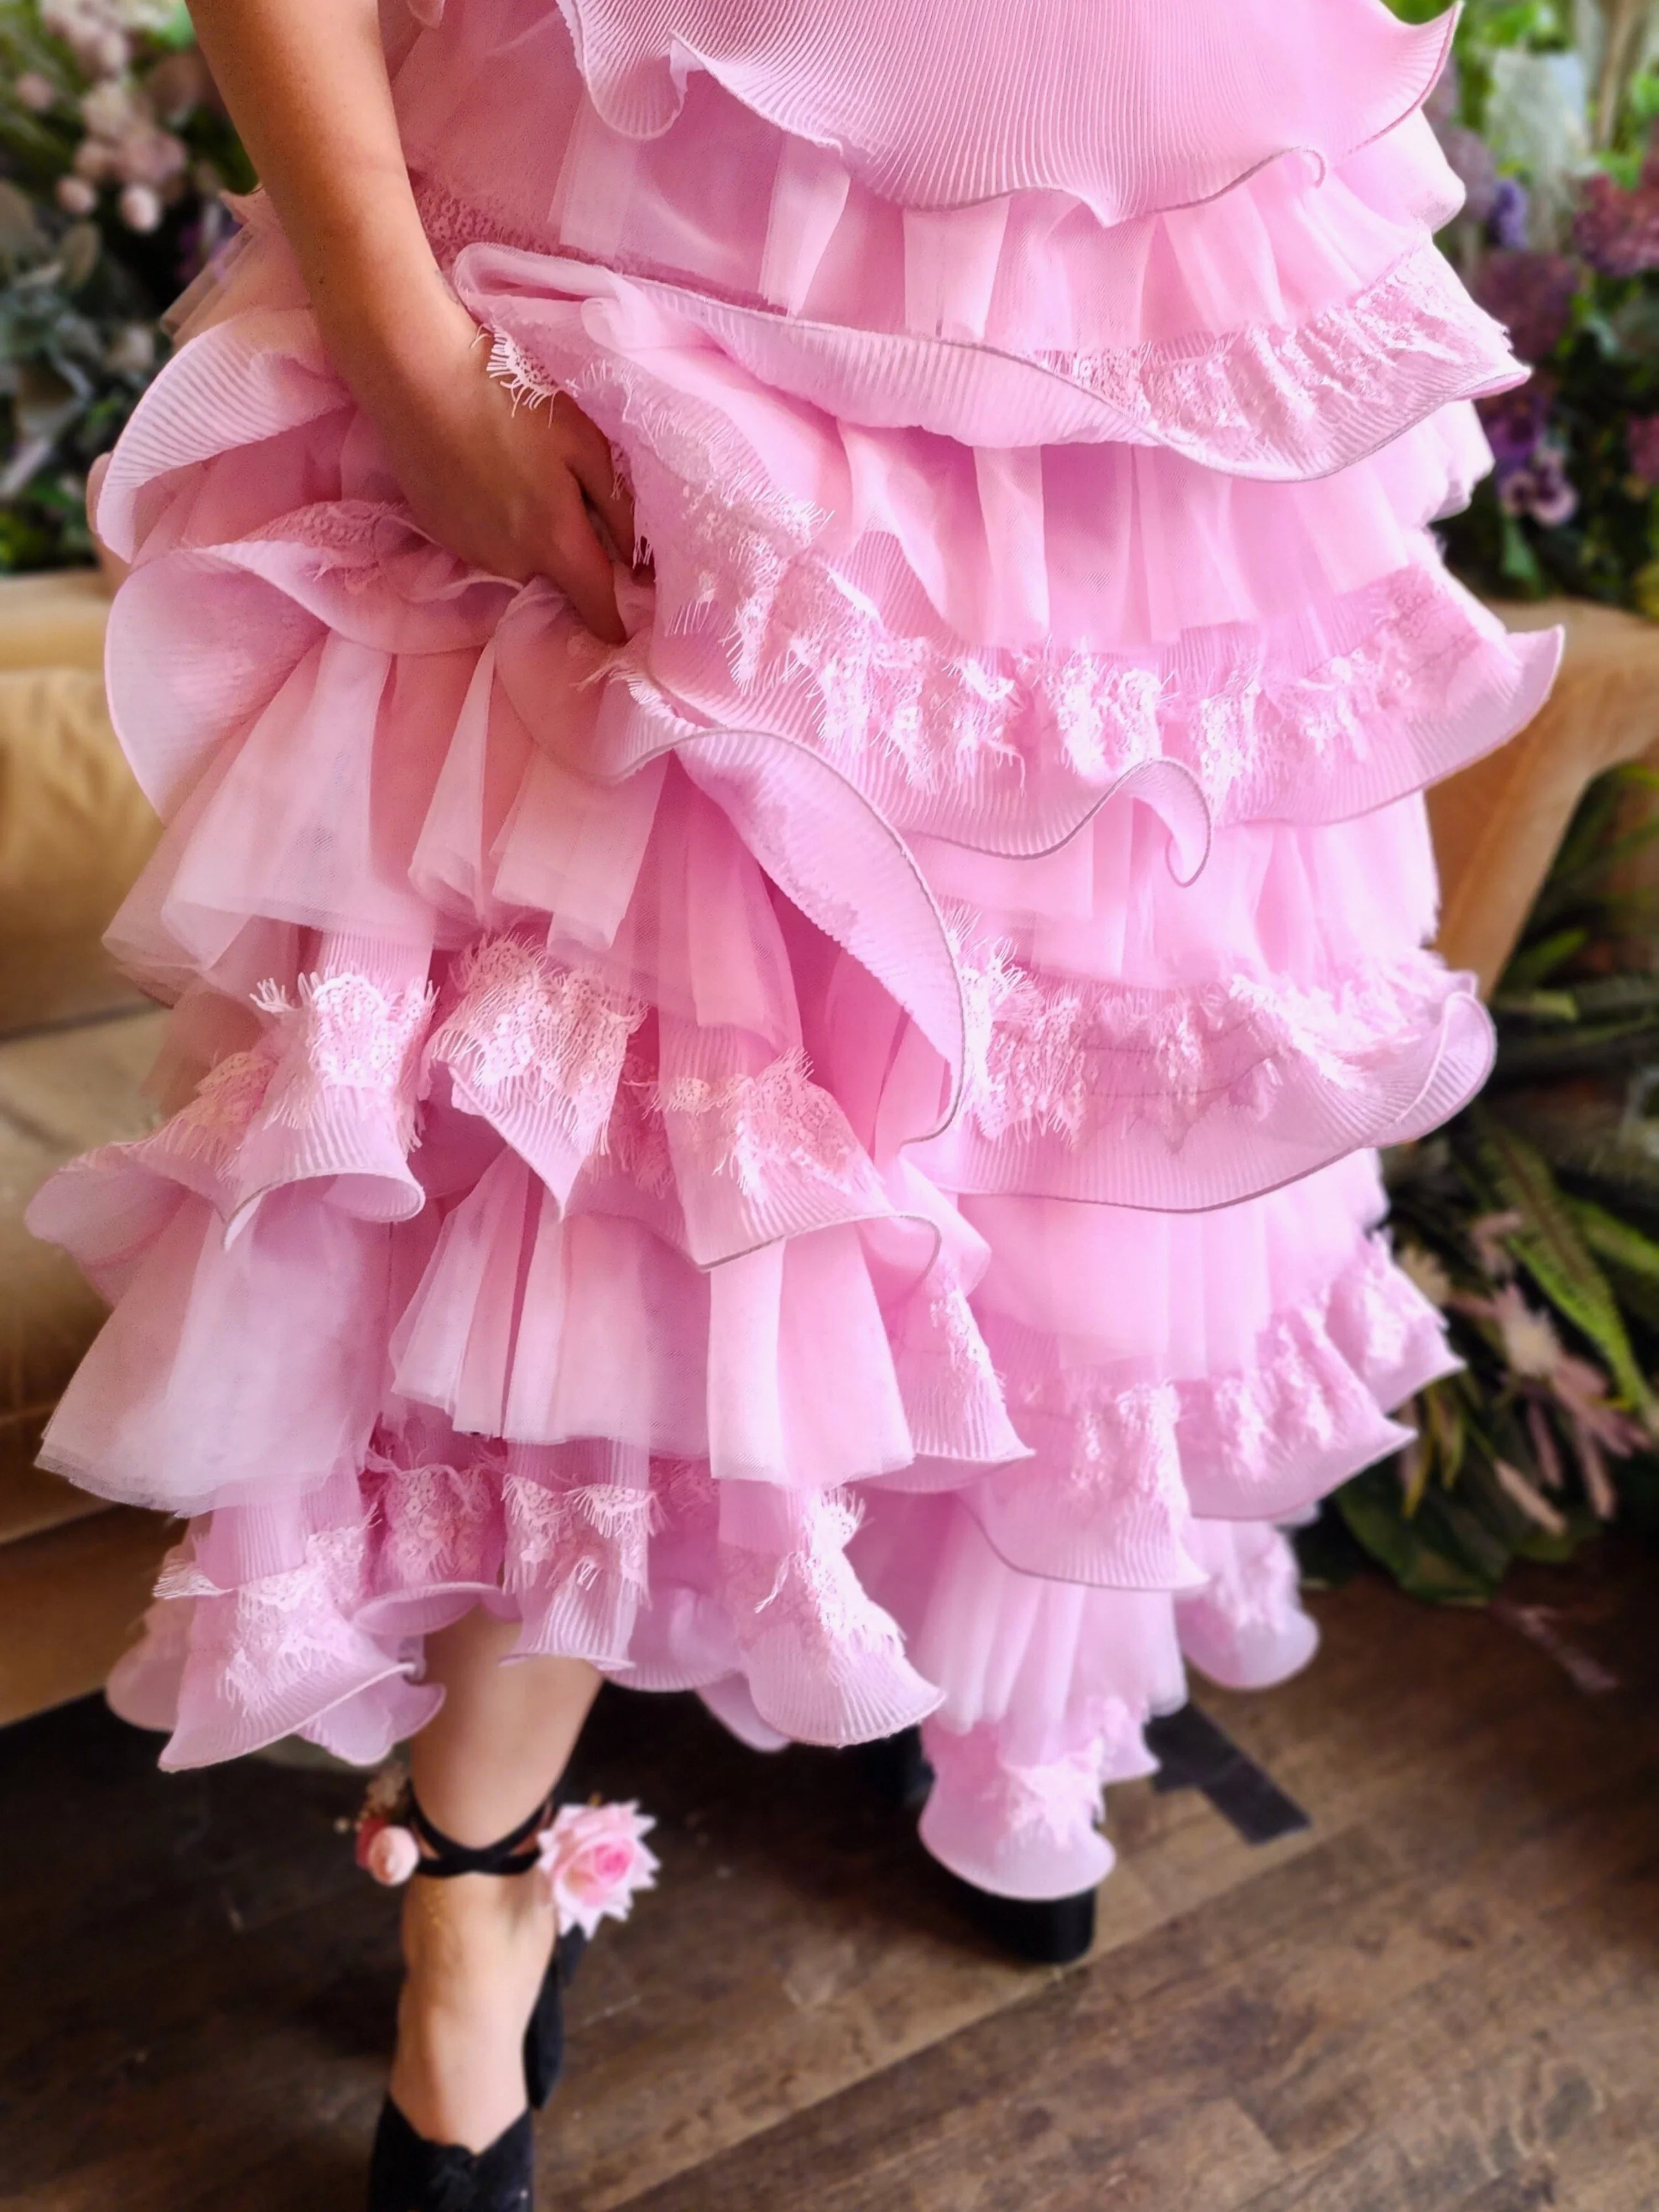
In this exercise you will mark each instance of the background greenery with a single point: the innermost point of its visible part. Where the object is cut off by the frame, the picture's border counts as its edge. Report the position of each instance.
(114, 151)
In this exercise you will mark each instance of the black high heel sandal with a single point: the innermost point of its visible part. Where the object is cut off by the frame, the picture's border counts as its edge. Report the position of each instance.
(1049, 1932)
(407, 2173)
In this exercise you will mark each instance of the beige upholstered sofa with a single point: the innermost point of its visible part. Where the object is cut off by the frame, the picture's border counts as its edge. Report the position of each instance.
(74, 1042)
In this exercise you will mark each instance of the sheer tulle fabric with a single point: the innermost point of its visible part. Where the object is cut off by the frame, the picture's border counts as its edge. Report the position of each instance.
(822, 1156)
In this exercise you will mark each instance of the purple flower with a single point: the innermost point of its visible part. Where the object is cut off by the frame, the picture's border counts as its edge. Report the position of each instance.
(1618, 232)
(1542, 489)
(1642, 444)
(1531, 294)
(1531, 459)
(1512, 212)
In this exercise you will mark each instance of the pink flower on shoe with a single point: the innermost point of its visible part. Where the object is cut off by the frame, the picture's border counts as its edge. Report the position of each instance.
(593, 1860)
(387, 1852)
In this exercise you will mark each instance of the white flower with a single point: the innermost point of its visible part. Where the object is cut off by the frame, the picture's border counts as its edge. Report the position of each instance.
(141, 207)
(75, 196)
(36, 93)
(110, 110)
(132, 352)
(1531, 1346)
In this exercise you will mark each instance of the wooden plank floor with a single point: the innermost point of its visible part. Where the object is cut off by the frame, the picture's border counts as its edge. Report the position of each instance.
(1444, 1995)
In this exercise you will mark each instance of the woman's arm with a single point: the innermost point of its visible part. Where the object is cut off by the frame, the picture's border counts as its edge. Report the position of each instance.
(305, 82)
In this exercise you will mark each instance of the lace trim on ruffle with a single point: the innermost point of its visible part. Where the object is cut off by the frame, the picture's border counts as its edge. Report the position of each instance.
(346, 531)
(952, 1324)
(435, 1522)
(280, 1629)
(521, 1020)
(213, 1123)
(941, 710)
(1299, 1394)
(452, 224)
(1124, 1447)
(1039, 1048)
(635, 1139)
(345, 1032)
(1387, 1311)
(1217, 395)
(1218, 402)
(589, 1533)
(812, 1590)
(749, 1127)
(731, 507)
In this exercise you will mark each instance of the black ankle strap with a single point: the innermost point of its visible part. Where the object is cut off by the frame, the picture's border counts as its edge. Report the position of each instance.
(509, 1854)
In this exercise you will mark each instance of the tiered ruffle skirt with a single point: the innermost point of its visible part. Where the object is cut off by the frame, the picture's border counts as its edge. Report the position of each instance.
(825, 1156)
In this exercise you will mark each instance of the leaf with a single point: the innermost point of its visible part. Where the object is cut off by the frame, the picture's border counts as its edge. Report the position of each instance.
(1638, 1295)
(20, 234)
(1448, 1428)
(1517, 1003)
(1517, 563)
(1616, 1240)
(1594, 814)
(1327, 1553)
(78, 250)
(1591, 1048)
(1621, 1168)
(178, 30)
(1617, 995)
(1443, 1554)
(1552, 1251)
(1536, 963)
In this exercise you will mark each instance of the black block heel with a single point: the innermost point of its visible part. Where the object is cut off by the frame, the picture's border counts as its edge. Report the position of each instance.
(1044, 1931)
(407, 2173)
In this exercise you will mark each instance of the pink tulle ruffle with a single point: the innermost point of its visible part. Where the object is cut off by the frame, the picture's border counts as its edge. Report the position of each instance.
(818, 1157)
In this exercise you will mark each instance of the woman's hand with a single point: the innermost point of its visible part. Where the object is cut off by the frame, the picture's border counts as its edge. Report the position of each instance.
(519, 488)
(512, 487)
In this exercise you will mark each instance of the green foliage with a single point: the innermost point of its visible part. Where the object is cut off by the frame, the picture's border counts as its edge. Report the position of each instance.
(100, 230)
(76, 351)
(1535, 1219)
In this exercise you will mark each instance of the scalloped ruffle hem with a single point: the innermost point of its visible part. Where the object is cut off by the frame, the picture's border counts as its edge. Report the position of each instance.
(821, 1156)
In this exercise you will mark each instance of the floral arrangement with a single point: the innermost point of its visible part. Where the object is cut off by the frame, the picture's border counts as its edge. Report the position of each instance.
(115, 152)
(1533, 1221)
(1547, 116)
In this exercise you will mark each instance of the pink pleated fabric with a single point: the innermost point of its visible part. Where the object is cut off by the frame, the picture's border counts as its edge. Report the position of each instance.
(825, 1156)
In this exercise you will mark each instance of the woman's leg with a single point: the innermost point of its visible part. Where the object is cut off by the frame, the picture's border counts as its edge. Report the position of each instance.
(477, 1946)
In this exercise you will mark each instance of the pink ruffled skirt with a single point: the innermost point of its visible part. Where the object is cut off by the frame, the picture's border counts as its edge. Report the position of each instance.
(824, 1156)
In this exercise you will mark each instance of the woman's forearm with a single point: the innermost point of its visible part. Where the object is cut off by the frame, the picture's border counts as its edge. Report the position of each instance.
(511, 491)
(306, 83)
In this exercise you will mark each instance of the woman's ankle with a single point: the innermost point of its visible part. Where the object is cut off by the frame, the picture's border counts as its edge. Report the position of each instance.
(475, 1950)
